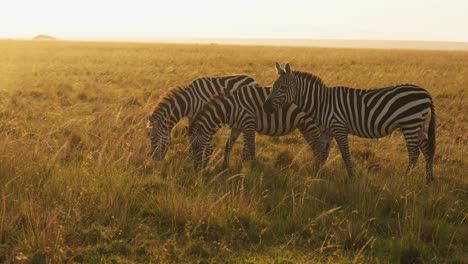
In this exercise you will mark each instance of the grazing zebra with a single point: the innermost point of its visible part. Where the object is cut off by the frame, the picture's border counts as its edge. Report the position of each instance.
(340, 111)
(243, 111)
(182, 102)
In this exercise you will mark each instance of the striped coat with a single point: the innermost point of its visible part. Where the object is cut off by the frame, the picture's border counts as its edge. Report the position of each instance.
(375, 113)
(243, 112)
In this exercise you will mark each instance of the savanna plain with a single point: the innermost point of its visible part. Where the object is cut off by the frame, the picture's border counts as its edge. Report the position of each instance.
(77, 184)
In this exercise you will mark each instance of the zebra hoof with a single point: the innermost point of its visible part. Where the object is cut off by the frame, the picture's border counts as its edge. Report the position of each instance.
(430, 180)
(350, 179)
(253, 164)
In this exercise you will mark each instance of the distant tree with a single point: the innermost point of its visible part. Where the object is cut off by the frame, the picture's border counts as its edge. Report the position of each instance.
(43, 37)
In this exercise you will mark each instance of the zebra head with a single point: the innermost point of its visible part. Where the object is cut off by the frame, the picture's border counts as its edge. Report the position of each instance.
(284, 90)
(160, 137)
(201, 147)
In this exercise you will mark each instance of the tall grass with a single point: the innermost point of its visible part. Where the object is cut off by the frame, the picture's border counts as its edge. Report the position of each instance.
(76, 182)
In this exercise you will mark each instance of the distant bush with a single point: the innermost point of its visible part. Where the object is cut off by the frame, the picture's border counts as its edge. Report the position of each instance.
(44, 37)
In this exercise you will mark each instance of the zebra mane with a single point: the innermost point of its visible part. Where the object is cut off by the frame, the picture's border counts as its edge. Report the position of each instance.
(166, 97)
(309, 76)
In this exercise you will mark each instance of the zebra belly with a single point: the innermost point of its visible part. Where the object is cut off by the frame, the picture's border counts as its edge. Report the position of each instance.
(275, 131)
(366, 122)
(373, 134)
(360, 129)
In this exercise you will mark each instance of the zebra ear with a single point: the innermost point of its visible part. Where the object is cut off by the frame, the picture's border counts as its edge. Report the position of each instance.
(288, 68)
(279, 70)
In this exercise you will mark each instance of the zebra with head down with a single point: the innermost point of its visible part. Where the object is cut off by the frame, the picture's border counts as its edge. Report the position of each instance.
(182, 102)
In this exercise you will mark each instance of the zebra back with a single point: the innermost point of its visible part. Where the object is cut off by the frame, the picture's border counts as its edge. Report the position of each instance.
(186, 101)
(243, 106)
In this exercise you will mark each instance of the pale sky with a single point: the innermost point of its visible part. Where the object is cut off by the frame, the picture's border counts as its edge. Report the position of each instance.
(433, 20)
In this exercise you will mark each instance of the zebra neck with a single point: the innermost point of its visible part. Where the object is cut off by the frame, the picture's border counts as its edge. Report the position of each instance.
(218, 120)
(171, 118)
(166, 120)
(311, 98)
(212, 121)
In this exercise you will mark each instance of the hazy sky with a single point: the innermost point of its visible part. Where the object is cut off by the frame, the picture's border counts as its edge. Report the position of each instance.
(439, 20)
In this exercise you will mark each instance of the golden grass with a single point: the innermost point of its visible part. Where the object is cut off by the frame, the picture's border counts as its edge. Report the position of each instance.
(76, 183)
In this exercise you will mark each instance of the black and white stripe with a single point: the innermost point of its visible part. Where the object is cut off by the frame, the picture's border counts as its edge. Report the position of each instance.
(243, 112)
(182, 102)
(375, 113)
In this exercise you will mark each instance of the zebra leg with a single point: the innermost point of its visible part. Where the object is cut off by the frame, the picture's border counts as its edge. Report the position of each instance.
(341, 137)
(424, 146)
(412, 141)
(249, 139)
(311, 135)
(326, 145)
(206, 156)
(235, 133)
(245, 152)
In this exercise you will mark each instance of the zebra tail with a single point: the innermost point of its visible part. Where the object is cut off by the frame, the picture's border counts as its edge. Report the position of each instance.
(432, 131)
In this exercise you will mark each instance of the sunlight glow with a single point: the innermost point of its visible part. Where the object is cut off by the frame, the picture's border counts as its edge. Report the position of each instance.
(335, 19)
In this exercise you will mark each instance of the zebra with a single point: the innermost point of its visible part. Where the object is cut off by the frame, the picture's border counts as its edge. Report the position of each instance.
(180, 102)
(374, 113)
(243, 112)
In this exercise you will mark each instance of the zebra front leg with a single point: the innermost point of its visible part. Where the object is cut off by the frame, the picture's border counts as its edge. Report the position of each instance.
(235, 133)
(311, 134)
(249, 139)
(208, 150)
(341, 137)
(326, 145)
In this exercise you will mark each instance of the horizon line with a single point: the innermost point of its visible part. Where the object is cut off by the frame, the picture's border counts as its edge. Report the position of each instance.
(291, 42)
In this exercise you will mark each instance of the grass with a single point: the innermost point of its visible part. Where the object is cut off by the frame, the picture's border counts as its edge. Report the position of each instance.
(76, 183)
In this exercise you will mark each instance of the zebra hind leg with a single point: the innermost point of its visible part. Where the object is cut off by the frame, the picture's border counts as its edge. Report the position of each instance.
(245, 152)
(412, 140)
(235, 133)
(424, 146)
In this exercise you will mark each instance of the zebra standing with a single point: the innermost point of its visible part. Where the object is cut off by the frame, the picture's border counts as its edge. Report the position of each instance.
(182, 102)
(340, 111)
(243, 111)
